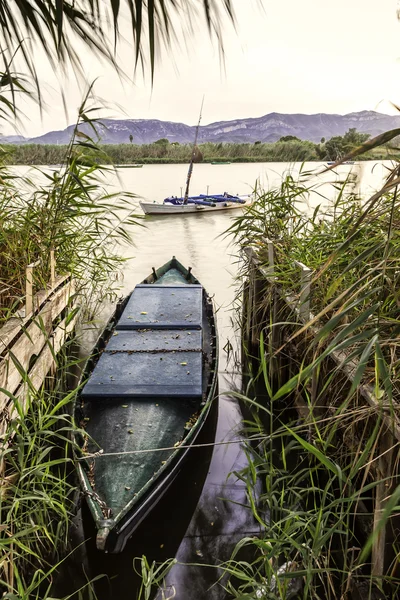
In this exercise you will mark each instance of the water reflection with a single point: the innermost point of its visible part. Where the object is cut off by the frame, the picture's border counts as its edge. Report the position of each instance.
(189, 238)
(221, 519)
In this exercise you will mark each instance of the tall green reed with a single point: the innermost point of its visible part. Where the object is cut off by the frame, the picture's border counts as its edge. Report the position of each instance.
(326, 396)
(37, 492)
(152, 577)
(71, 211)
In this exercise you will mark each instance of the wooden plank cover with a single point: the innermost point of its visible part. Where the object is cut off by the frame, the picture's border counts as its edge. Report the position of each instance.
(163, 307)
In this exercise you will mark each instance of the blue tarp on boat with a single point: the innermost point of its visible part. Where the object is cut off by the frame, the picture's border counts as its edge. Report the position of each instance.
(132, 374)
(156, 349)
(205, 199)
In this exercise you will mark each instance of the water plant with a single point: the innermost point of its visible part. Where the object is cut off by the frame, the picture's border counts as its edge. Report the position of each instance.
(152, 577)
(324, 390)
(68, 211)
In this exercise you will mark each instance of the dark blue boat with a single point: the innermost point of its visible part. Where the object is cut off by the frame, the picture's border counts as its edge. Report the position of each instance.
(205, 199)
(149, 390)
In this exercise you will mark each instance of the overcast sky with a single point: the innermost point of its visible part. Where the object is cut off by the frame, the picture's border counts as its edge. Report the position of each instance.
(289, 56)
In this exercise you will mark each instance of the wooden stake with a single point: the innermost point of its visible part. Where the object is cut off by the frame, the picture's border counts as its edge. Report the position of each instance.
(29, 288)
(385, 473)
(271, 260)
(305, 290)
(52, 268)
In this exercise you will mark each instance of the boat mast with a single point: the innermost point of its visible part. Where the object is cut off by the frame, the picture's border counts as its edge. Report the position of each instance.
(194, 154)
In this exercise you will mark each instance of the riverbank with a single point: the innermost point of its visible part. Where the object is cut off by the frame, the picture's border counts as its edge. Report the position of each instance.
(200, 243)
(174, 153)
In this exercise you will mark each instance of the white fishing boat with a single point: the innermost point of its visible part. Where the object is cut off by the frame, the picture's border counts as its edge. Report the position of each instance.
(196, 204)
(172, 207)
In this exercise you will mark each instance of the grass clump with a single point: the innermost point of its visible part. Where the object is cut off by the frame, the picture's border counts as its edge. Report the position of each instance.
(353, 250)
(37, 494)
(68, 210)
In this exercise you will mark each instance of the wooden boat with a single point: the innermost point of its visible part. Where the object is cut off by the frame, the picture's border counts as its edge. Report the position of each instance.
(194, 204)
(150, 387)
(169, 208)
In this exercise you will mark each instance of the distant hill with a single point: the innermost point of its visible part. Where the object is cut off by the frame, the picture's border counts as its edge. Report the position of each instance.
(268, 128)
(13, 139)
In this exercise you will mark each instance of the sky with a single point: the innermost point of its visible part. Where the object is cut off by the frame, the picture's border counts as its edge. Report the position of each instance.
(285, 56)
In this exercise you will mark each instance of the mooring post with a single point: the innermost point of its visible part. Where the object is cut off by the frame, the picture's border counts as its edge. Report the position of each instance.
(274, 362)
(52, 268)
(305, 312)
(385, 473)
(252, 322)
(247, 300)
(274, 295)
(29, 288)
(305, 290)
(254, 334)
(271, 259)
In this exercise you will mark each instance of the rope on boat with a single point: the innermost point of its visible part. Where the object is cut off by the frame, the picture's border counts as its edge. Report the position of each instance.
(155, 351)
(101, 452)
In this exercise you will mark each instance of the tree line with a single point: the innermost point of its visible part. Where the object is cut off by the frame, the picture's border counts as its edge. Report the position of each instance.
(286, 149)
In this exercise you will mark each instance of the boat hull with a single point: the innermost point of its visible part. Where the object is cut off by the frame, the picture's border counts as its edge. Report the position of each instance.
(120, 535)
(122, 486)
(154, 208)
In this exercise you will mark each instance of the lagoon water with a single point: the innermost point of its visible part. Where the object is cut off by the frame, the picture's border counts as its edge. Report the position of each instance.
(215, 518)
(197, 240)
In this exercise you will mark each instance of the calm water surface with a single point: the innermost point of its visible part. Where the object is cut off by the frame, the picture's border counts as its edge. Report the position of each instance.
(197, 240)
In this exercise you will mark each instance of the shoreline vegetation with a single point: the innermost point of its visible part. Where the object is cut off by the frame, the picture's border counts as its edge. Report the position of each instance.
(70, 213)
(322, 372)
(320, 321)
(287, 149)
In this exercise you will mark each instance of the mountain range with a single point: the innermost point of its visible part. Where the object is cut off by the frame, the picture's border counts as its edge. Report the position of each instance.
(269, 128)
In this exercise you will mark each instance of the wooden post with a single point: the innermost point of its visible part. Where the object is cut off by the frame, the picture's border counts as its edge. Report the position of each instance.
(304, 312)
(387, 481)
(271, 259)
(52, 268)
(274, 297)
(254, 312)
(29, 288)
(305, 290)
(274, 363)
